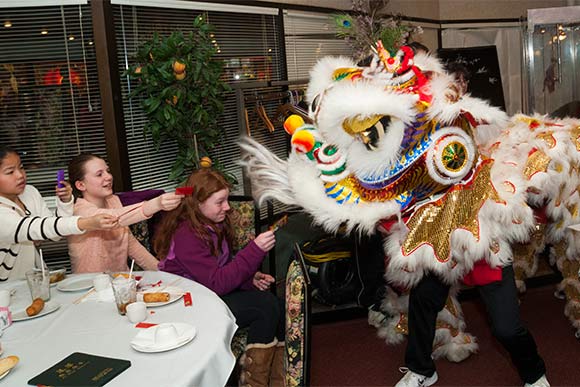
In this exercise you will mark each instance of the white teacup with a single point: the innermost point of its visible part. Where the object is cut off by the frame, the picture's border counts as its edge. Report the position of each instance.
(137, 312)
(4, 298)
(165, 334)
(101, 282)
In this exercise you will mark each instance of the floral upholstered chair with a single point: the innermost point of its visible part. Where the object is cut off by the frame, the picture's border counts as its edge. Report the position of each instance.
(297, 359)
(245, 217)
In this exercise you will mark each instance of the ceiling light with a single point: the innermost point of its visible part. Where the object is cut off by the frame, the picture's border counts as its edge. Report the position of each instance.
(71, 37)
(7, 24)
(44, 32)
(90, 42)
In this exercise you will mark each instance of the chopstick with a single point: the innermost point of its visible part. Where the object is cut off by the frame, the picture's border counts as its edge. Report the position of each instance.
(78, 300)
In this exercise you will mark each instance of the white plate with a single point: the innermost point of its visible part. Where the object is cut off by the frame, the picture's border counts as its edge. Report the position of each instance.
(76, 283)
(144, 340)
(52, 272)
(49, 307)
(175, 294)
(5, 373)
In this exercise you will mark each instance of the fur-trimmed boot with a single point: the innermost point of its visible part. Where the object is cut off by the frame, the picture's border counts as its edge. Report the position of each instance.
(277, 371)
(256, 362)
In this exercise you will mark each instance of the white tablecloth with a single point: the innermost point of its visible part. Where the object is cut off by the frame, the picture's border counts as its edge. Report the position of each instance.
(96, 328)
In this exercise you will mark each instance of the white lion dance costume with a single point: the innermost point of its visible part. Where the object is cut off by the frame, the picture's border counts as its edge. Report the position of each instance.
(448, 178)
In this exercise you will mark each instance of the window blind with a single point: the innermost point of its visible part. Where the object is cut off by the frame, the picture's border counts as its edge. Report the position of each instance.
(309, 37)
(249, 47)
(50, 106)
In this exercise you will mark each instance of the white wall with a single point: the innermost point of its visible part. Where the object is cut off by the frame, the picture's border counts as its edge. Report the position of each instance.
(447, 9)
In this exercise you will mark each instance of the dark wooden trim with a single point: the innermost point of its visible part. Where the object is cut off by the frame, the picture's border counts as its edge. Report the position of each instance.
(282, 42)
(110, 89)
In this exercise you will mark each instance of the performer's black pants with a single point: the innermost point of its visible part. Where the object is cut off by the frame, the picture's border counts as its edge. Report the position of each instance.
(261, 311)
(501, 301)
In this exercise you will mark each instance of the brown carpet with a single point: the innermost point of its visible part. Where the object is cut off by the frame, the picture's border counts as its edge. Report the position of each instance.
(349, 353)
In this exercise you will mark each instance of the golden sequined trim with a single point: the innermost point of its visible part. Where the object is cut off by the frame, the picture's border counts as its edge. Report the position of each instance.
(537, 162)
(433, 223)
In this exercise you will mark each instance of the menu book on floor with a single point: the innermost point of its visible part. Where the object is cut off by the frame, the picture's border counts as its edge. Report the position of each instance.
(81, 369)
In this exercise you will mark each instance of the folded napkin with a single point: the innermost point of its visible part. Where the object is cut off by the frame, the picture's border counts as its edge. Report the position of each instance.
(145, 339)
(105, 295)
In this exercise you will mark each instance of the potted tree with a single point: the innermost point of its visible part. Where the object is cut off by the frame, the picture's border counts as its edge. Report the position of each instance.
(181, 88)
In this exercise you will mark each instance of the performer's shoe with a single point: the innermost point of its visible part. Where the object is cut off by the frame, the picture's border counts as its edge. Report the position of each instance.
(542, 382)
(411, 379)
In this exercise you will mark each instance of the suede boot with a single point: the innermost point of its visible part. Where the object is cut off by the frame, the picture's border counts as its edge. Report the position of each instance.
(256, 362)
(277, 371)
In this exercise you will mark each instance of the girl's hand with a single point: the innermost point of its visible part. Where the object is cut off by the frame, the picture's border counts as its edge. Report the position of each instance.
(266, 241)
(262, 281)
(64, 193)
(169, 201)
(98, 222)
(166, 202)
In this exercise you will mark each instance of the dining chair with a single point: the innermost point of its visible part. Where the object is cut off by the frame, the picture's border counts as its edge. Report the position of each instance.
(298, 310)
(246, 224)
(245, 218)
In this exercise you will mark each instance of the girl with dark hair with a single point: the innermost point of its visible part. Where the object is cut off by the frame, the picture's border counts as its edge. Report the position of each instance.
(194, 241)
(26, 218)
(108, 250)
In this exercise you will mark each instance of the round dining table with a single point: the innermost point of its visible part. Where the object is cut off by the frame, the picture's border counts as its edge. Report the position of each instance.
(84, 323)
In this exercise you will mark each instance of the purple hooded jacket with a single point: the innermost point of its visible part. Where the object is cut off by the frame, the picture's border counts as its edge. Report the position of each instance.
(191, 258)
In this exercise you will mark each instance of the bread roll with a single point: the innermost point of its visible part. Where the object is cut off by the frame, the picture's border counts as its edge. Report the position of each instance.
(35, 308)
(156, 297)
(8, 363)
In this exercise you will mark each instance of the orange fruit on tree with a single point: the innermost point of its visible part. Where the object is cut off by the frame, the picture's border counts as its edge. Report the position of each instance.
(180, 77)
(205, 162)
(138, 70)
(178, 67)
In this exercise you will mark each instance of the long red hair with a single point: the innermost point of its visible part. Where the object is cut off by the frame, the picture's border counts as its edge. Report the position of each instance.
(205, 182)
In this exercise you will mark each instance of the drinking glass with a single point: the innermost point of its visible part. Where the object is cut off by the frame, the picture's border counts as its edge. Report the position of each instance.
(39, 283)
(125, 291)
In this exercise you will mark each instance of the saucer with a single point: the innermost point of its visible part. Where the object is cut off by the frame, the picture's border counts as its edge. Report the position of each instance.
(144, 341)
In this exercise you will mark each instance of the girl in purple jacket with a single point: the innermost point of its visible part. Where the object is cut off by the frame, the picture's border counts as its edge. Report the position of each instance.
(194, 241)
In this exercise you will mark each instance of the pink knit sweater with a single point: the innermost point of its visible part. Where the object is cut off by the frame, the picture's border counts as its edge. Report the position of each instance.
(98, 251)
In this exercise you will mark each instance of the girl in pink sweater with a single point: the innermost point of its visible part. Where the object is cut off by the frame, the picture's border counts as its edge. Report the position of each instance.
(99, 251)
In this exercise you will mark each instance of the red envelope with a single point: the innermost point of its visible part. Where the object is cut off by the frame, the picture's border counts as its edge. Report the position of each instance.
(187, 299)
(184, 190)
(144, 325)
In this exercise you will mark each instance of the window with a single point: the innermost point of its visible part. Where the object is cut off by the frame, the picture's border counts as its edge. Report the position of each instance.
(249, 47)
(310, 37)
(50, 106)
